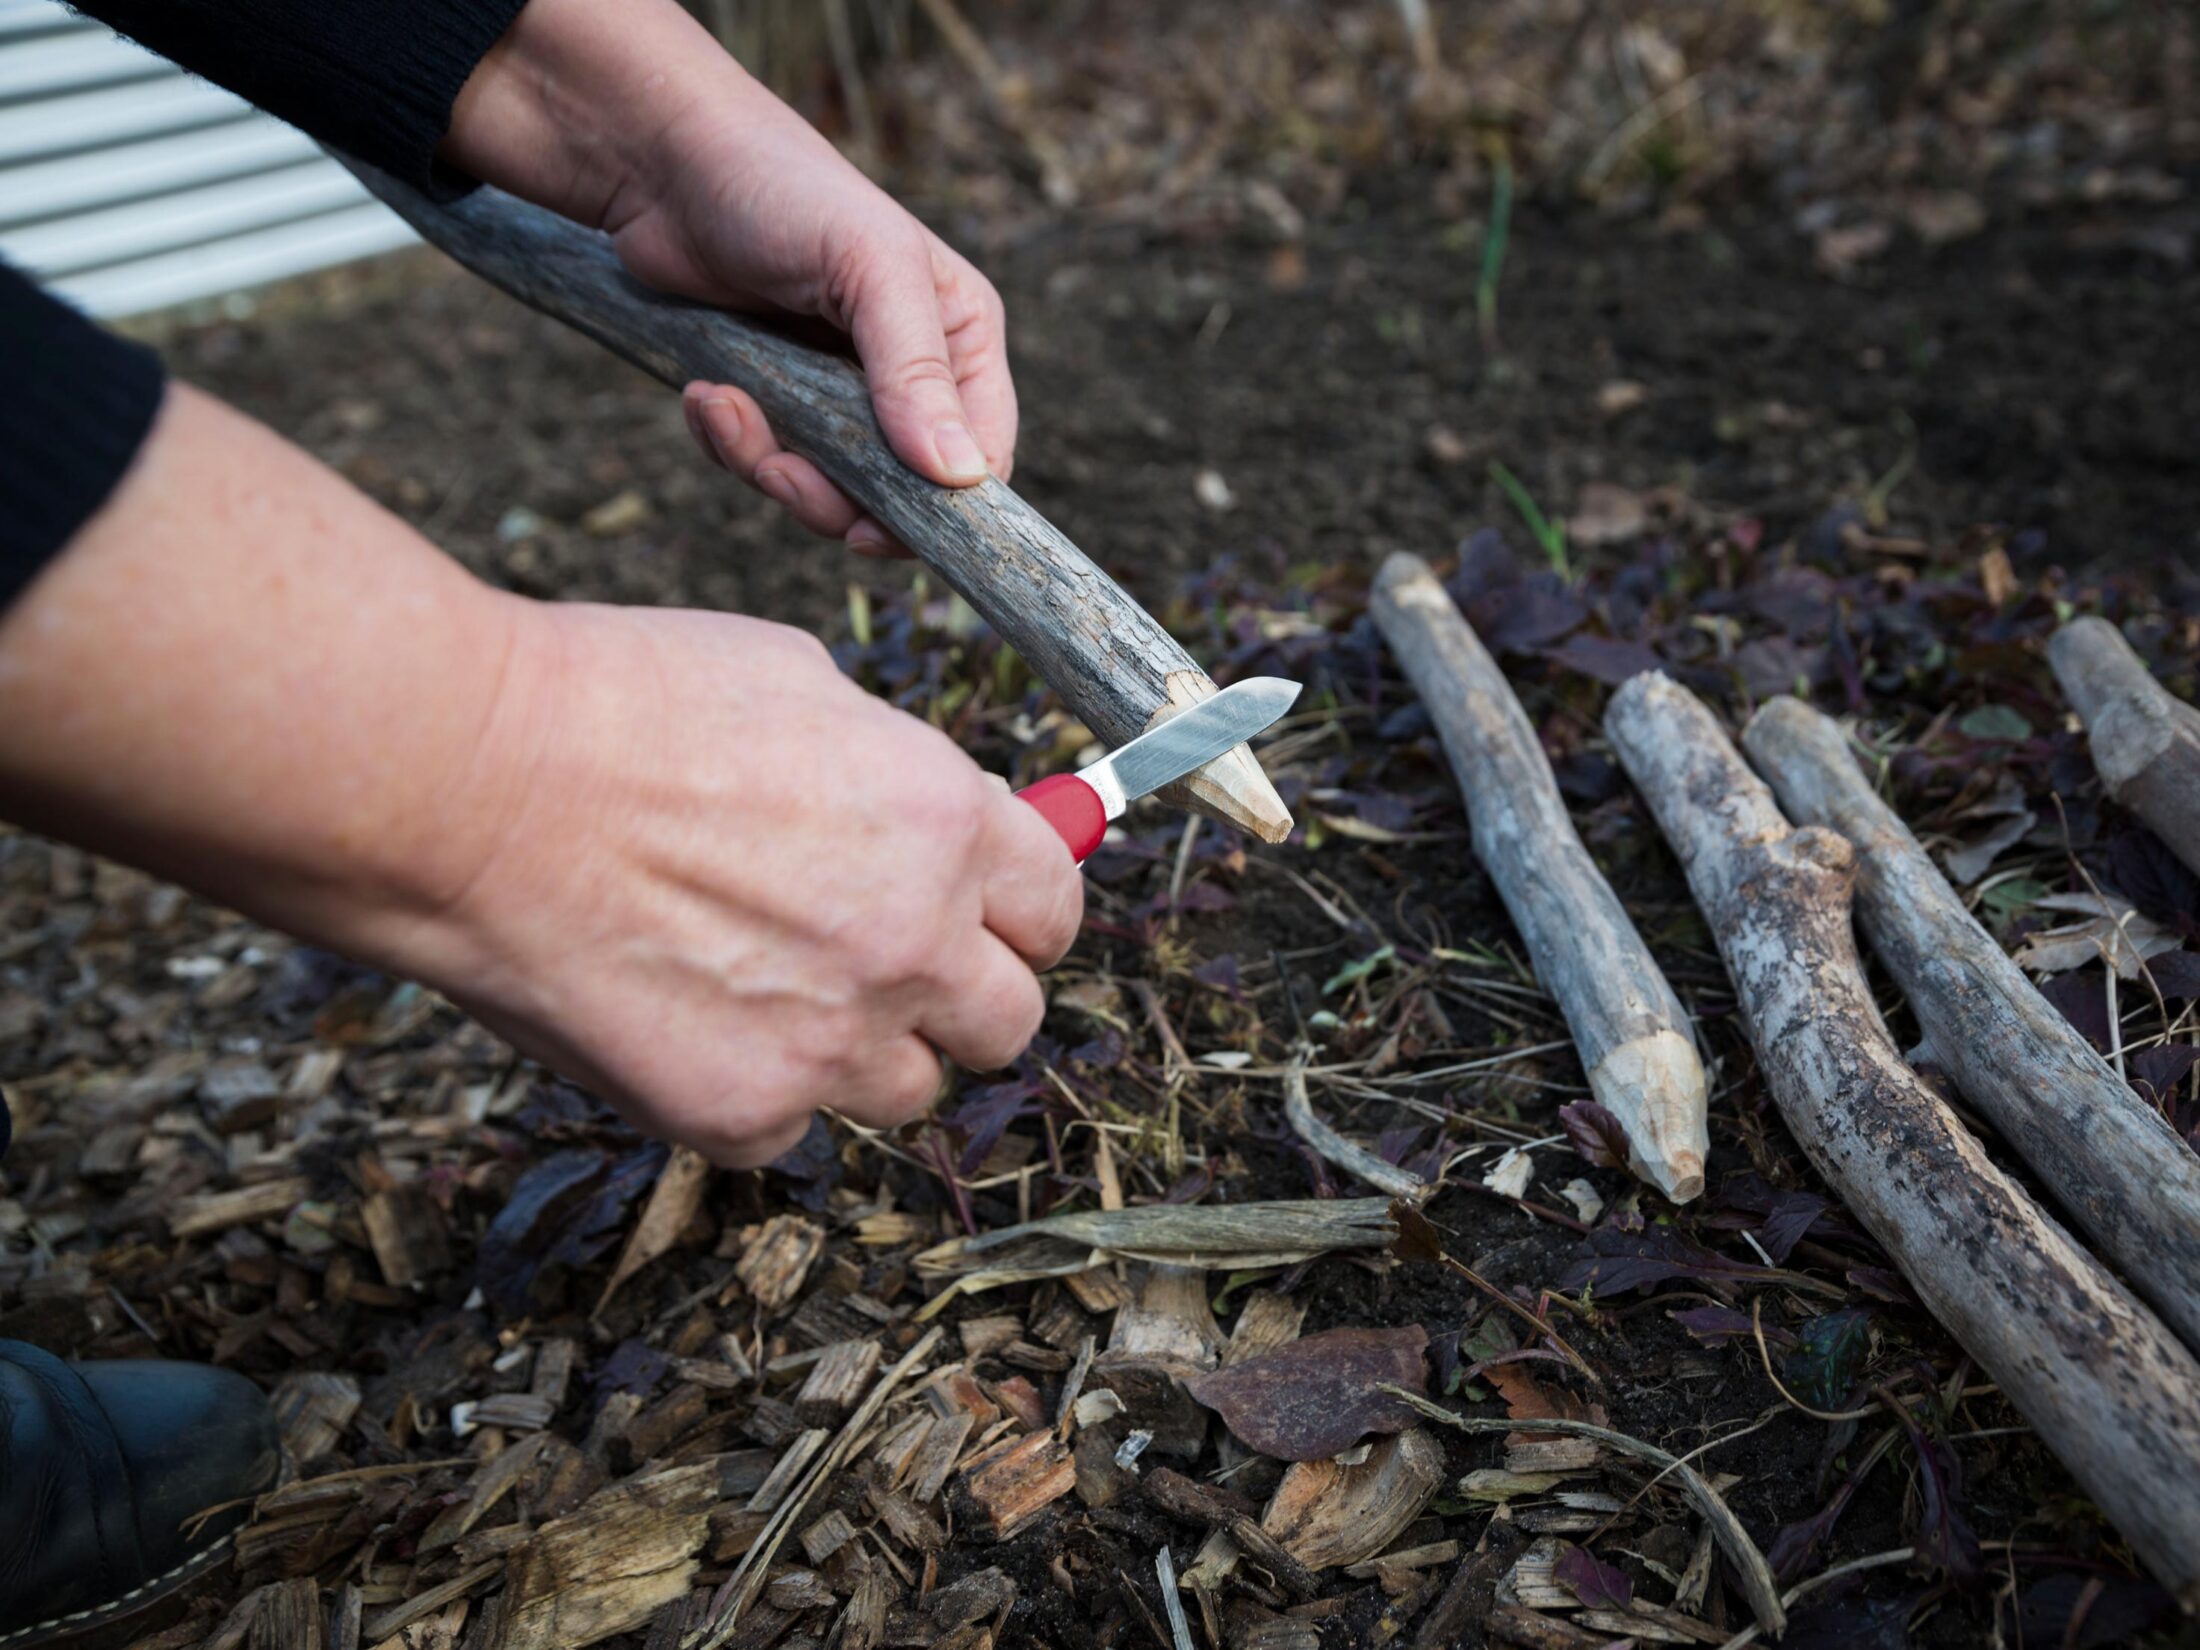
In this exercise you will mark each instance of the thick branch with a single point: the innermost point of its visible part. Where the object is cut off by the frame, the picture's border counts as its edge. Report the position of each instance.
(2112, 1392)
(1108, 658)
(1635, 1038)
(2146, 741)
(2119, 1170)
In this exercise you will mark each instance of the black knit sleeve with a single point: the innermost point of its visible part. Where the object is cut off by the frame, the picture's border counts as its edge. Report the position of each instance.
(74, 409)
(375, 78)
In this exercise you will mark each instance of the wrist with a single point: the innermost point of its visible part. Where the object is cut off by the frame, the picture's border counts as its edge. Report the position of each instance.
(583, 108)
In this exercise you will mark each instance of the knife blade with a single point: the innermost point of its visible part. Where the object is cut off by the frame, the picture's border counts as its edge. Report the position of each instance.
(1079, 805)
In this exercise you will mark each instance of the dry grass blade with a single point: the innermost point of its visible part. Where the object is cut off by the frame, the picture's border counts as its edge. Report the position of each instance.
(1755, 1574)
(1231, 1237)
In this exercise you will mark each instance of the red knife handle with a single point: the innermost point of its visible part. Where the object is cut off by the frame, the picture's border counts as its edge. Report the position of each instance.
(1073, 808)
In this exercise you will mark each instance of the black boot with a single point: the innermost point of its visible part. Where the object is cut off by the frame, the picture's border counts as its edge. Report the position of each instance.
(105, 1471)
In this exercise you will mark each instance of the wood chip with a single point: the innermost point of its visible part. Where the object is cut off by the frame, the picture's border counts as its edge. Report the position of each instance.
(312, 1412)
(1015, 1481)
(218, 1211)
(842, 1375)
(776, 1257)
(1327, 1515)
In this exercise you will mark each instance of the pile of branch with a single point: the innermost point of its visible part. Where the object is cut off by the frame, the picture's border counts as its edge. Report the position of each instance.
(2112, 1392)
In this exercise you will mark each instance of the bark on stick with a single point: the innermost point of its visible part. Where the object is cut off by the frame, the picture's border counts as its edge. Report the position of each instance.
(1635, 1038)
(2145, 740)
(2117, 1169)
(2113, 1393)
(1104, 654)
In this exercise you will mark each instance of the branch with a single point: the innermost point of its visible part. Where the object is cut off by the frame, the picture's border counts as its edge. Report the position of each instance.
(1108, 658)
(2110, 1390)
(1635, 1038)
(2110, 1160)
(2145, 740)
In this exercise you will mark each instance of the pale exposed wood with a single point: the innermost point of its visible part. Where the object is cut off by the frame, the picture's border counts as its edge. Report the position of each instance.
(1637, 1044)
(1170, 1322)
(289, 1617)
(1326, 1515)
(1108, 658)
(1266, 1321)
(2110, 1159)
(2111, 1390)
(210, 1212)
(406, 1228)
(613, 1564)
(312, 1412)
(838, 1383)
(1017, 1479)
(2145, 740)
(776, 1257)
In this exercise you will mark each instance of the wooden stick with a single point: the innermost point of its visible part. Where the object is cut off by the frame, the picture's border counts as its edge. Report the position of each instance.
(2146, 741)
(2109, 1159)
(1635, 1038)
(2113, 1393)
(1109, 659)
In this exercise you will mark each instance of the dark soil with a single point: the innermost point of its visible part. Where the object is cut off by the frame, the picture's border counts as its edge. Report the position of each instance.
(2043, 376)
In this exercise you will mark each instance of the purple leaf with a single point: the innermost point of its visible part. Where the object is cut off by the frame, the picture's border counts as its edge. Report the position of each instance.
(2177, 974)
(1717, 1325)
(1599, 1586)
(1602, 659)
(812, 1166)
(565, 1212)
(2155, 880)
(2083, 1003)
(1524, 617)
(1486, 563)
(1944, 1537)
(1617, 1262)
(1594, 1133)
(2156, 1072)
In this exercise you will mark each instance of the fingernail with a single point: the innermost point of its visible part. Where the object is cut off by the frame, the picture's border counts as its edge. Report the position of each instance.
(713, 410)
(868, 535)
(779, 487)
(958, 450)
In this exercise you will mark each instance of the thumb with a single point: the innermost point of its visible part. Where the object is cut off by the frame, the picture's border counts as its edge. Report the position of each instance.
(898, 332)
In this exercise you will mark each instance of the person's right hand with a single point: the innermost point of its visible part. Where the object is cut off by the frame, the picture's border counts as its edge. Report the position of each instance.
(723, 887)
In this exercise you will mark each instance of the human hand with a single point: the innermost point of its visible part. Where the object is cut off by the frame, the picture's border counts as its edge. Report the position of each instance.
(634, 120)
(725, 887)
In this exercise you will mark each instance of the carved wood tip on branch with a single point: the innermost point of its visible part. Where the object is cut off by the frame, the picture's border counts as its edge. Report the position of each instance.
(1636, 1040)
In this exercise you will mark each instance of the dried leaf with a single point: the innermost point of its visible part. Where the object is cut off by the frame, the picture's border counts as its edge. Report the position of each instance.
(1319, 1395)
(672, 1204)
(1599, 1586)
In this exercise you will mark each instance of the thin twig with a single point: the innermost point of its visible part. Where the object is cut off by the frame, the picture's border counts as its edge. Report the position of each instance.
(1803, 1589)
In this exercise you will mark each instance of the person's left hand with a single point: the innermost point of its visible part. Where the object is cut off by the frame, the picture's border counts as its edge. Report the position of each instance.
(753, 210)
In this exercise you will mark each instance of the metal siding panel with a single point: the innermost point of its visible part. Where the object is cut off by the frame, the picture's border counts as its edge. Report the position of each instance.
(181, 218)
(135, 171)
(133, 186)
(50, 64)
(244, 261)
(91, 120)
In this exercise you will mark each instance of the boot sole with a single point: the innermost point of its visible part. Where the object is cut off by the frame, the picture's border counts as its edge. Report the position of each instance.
(79, 1629)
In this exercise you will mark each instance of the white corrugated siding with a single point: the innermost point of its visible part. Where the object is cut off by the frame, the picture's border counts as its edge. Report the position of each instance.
(127, 186)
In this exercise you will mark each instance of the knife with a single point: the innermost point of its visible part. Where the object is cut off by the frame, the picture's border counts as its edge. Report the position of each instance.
(1079, 805)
